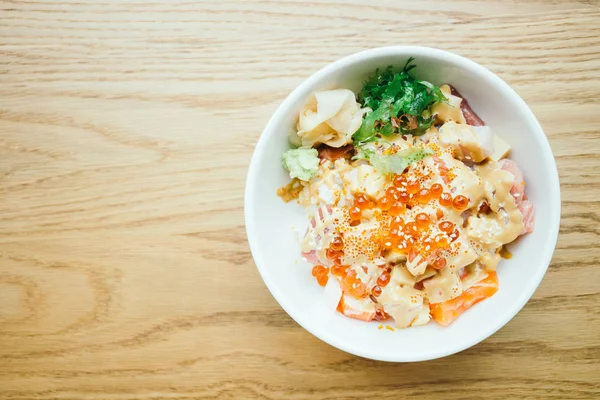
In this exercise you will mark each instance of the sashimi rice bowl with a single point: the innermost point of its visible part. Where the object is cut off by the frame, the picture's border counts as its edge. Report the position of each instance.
(402, 204)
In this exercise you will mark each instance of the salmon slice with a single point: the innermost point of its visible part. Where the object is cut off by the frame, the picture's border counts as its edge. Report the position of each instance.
(443, 169)
(362, 309)
(311, 257)
(518, 187)
(528, 212)
(447, 312)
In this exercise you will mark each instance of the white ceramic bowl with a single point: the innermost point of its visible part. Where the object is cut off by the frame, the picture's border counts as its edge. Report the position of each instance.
(270, 222)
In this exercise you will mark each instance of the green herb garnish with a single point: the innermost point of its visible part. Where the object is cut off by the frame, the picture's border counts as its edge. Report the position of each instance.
(399, 103)
(392, 163)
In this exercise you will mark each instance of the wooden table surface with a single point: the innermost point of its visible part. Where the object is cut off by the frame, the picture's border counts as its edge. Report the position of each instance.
(126, 129)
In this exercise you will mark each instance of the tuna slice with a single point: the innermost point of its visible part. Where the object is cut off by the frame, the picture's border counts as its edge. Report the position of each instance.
(470, 117)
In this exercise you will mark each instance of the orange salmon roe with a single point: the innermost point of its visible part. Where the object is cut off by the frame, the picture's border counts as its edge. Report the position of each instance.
(454, 235)
(337, 244)
(319, 270)
(413, 186)
(406, 245)
(410, 229)
(376, 291)
(460, 202)
(392, 193)
(442, 242)
(436, 190)
(332, 254)
(389, 242)
(422, 220)
(384, 203)
(446, 199)
(446, 227)
(361, 202)
(355, 214)
(383, 279)
(423, 196)
(404, 197)
(396, 209)
(353, 286)
(338, 270)
(322, 280)
(397, 222)
(400, 181)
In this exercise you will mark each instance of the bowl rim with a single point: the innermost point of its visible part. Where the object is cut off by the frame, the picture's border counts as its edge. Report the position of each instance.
(349, 60)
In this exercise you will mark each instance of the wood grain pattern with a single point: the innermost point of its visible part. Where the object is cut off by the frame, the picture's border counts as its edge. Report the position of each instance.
(125, 133)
